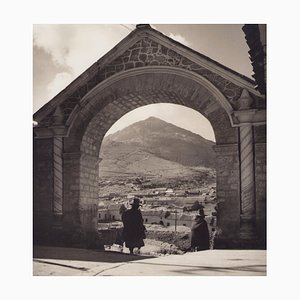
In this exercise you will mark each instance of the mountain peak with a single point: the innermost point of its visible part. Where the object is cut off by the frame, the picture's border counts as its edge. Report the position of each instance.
(154, 119)
(163, 140)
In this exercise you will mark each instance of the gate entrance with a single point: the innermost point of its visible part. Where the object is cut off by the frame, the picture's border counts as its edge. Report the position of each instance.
(148, 67)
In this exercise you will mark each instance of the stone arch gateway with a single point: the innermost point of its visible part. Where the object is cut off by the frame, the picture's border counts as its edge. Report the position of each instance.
(148, 67)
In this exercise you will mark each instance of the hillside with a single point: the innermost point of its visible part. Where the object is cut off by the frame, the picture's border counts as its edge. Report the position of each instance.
(155, 147)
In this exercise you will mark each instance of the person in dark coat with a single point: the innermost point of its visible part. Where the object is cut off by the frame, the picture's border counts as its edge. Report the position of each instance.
(200, 234)
(134, 230)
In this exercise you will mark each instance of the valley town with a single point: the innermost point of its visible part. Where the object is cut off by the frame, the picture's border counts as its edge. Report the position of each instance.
(169, 206)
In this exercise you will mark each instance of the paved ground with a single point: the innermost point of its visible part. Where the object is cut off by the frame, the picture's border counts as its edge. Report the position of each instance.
(82, 262)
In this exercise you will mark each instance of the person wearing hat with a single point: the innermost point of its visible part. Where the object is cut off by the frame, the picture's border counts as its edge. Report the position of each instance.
(134, 230)
(199, 234)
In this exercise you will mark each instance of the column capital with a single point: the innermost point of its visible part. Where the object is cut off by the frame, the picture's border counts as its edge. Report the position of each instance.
(249, 117)
(52, 131)
(245, 101)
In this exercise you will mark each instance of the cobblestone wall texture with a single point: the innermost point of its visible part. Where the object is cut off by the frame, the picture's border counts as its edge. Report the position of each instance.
(228, 190)
(147, 52)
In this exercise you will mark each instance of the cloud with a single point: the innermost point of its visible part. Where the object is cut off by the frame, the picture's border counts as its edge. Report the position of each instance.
(179, 38)
(54, 39)
(77, 46)
(74, 48)
(60, 81)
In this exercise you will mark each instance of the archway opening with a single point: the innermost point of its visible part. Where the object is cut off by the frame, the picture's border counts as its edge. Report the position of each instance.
(163, 154)
(107, 103)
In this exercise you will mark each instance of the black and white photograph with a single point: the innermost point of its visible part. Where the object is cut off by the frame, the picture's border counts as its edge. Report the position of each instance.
(149, 149)
(149, 160)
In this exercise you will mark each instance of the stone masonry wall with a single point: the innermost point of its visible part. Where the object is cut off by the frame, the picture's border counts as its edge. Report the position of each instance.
(145, 52)
(43, 174)
(228, 193)
(89, 189)
(131, 93)
(71, 169)
(43, 188)
(80, 197)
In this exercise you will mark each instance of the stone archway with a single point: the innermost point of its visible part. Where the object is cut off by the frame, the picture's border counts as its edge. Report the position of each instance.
(144, 70)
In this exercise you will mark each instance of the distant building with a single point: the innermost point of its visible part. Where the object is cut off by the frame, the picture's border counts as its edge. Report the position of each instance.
(152, 193)
(151, 201)
(161, 191)
(147, 185)
(112, 195)
(130, 195)
(153, 216)
(169, 192)
(192, 193)
(159, 201)
(180, 219)
(167, 218)
(180, 193)
(185, 220)
(141, 194)
(109, 213)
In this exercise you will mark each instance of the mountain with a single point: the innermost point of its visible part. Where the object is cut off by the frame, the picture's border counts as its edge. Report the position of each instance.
(154, 145)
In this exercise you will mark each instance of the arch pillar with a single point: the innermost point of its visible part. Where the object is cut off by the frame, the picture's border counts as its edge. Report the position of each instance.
(48, 188)
(228, 195)
(71, 169)
(80, 204)
(252, 209)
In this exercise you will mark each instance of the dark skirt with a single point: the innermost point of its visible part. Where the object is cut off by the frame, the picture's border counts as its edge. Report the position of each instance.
(136, 243)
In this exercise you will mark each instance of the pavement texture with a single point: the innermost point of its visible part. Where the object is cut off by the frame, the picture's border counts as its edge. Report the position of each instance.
(58, 261)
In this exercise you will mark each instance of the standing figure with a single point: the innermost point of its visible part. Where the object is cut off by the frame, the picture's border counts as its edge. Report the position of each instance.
(200, 234)
(134, 230)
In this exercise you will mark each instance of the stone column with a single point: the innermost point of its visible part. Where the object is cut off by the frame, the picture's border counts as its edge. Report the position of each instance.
(57, 176)
(246, 116)
(248, 217)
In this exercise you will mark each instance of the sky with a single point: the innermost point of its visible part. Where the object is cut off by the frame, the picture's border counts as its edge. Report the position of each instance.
(62, 52)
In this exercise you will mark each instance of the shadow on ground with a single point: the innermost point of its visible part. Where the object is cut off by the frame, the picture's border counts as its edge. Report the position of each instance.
(84, 255)
(191, 270)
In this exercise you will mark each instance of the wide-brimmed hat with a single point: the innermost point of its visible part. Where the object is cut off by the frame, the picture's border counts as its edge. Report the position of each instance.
(136, 202)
